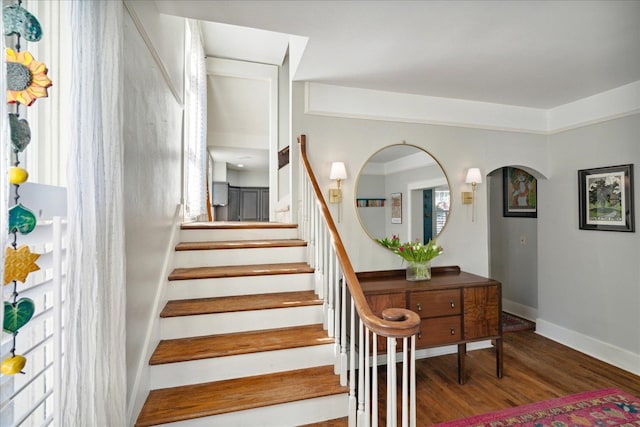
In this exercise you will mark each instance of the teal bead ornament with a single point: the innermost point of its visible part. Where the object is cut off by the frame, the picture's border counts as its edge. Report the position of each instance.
(18, 20)
(18, 314)
(21, 219)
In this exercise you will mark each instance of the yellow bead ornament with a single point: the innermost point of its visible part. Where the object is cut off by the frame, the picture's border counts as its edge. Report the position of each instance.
(18, 175)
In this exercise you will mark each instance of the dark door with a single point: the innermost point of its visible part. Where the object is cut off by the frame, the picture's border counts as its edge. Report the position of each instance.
(249, 204)
(264, 204)
(427, 214)
(234, 204)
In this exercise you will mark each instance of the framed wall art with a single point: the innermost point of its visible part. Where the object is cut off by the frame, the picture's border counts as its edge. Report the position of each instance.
(396, 208)
(520, 193)
(606, 198)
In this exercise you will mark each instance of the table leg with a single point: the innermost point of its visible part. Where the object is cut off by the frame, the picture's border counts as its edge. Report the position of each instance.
(499, 354)
(462, 351)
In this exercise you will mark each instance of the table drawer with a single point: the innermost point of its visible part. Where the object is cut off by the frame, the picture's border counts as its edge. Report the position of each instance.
(435, 303)
(439, 331)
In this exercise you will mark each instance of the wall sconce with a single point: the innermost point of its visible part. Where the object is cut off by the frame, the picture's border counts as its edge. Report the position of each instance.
(338, 172)
(474, 177)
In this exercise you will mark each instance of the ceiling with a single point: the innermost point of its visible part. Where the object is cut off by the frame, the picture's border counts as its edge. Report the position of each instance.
(537, 54)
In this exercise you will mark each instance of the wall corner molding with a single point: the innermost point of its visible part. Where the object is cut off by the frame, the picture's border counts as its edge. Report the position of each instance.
(356, 103)
(154, 52)
(612, 104)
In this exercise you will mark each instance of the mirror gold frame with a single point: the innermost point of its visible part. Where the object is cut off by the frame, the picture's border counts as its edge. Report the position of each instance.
(402, 171)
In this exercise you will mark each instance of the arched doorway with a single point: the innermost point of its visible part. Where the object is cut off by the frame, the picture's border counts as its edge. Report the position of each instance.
(513, 237)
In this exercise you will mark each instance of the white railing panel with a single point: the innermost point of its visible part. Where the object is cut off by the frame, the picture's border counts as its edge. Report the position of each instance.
(356, 349)
(32, 398)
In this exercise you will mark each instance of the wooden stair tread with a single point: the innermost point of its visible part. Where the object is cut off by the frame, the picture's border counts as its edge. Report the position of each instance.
(337, 422)
(196, 306)
(240, 244)
(209, 346)
(226, 225)
(219, 397)
(239, 270)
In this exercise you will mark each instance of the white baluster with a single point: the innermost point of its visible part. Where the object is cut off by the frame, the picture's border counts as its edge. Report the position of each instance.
(361, 393)
(374, 383)
(405, 383)
(392, 402)
(352, 369)
(330, 288)
(367, 380)
(343, 332)
(412, 387)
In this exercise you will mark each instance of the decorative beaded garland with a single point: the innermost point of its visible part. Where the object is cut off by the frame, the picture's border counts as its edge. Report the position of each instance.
(26, 81)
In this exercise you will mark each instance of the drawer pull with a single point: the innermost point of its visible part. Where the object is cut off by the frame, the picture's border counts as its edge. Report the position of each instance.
(419, 335)
(453, 305)
(419, 307)
(453, 331)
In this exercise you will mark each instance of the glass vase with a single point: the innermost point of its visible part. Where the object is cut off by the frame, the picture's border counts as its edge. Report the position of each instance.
(417, 271)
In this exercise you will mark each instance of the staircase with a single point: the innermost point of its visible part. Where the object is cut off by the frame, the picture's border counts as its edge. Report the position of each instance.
(242, 341)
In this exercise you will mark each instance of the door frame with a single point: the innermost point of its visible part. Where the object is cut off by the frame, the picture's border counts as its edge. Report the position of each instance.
(269, 74)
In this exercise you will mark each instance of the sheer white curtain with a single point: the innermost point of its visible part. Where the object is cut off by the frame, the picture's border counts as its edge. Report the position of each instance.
(195, 130)
(94, 371)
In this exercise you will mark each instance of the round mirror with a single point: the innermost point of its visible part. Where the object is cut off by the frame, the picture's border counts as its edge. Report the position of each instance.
(402, 190)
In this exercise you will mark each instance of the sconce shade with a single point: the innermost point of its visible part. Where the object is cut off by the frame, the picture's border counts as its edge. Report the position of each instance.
(473, 176)
(338, 171)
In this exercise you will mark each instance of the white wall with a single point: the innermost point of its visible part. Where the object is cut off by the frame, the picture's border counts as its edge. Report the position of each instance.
(355, 140)
(589, 281)
(247, 178)
(152, 120)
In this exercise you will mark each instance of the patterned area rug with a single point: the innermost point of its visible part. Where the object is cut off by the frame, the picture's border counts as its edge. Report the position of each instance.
(601, 408)
(511, 323)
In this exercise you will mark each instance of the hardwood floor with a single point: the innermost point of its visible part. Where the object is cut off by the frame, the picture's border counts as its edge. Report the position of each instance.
(535, 369)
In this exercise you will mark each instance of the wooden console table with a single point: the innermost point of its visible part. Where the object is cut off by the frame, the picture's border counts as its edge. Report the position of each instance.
(455, 307)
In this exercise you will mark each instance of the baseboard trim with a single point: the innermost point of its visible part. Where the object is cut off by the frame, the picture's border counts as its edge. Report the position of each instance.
(520, 310)
(436, 351)
(613, 355)
(140, 387)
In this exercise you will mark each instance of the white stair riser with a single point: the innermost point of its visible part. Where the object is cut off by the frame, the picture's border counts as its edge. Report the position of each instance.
(221, 257)
(240, 321)
(288, 414)
(240, 234)
(248, 285)
(243, 365)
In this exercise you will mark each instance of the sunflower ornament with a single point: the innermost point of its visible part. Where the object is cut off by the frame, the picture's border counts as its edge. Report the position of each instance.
(26, 78)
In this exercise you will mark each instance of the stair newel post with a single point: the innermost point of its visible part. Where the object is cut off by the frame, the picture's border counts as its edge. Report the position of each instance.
(343, 331)
(352, 368)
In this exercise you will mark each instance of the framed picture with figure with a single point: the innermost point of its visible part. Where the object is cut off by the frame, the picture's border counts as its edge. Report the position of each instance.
(520, 193)
(396, 208)
(606, 198)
